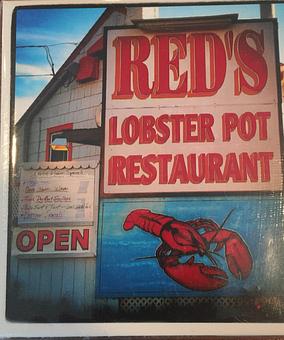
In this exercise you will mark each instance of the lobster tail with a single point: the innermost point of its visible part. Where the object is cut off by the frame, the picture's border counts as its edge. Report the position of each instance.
(147, 221)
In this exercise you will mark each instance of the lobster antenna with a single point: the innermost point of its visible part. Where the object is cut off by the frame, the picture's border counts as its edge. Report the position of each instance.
(222, 225)
(212, 252)
(145, 258)
(211, 258)
(155, 257)
(208, 254)
(226, 218)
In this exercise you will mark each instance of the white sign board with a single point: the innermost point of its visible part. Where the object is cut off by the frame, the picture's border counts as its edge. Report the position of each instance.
(56, 196)
(192, 111)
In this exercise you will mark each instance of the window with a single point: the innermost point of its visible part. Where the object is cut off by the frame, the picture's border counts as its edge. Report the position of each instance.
(57, 146)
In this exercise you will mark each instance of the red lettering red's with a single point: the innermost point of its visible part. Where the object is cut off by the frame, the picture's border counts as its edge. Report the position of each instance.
(131, 70)
(251, 75)
(192, 65)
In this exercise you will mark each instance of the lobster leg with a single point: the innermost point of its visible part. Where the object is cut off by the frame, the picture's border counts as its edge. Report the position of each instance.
(238, 256)
(195, 276)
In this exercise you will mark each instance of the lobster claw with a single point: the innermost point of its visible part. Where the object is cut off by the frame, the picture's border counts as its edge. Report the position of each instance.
(196, 276)
(238, 257)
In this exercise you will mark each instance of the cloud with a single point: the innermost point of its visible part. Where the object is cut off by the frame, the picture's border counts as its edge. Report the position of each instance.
(47, 38)
(32, 86)
(21, 106)
(34, 36)
(22, 69)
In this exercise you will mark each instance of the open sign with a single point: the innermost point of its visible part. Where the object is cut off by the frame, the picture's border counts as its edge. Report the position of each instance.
(56, 241)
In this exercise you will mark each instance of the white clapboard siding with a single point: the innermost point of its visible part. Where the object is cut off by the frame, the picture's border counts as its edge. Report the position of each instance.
(71, 279)
(55, 279)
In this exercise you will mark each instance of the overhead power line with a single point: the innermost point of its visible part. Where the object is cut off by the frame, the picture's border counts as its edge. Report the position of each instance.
(49, 45)
(35, 75)
(48, 57)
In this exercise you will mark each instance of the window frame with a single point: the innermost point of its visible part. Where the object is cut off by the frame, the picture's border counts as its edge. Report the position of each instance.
(55, 129)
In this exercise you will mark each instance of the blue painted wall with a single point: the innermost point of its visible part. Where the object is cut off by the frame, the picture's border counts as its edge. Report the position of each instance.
(257, 218)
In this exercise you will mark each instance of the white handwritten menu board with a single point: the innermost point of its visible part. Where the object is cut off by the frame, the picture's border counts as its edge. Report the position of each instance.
(56, 195)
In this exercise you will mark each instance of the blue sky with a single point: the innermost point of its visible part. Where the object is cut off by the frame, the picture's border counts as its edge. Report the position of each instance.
(46, 27)
(52, 26)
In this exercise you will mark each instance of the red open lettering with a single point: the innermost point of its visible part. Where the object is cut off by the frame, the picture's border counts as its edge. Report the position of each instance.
(25, 241)
(62, 239)
(78, 238)
(44, 237)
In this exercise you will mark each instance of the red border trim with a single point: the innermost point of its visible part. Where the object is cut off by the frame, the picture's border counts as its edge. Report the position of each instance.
(50, 131)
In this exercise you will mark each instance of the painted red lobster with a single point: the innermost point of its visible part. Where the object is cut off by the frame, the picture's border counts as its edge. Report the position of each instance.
(189, 238)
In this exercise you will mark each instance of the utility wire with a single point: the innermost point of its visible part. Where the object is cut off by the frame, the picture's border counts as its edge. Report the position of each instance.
(35, 75)
(48, 57)
(49, 45)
